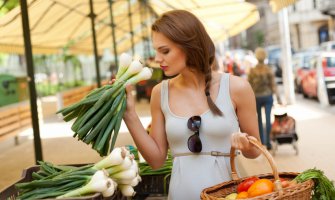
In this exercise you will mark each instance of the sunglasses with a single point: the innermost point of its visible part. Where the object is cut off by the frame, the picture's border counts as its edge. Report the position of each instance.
(194, 143)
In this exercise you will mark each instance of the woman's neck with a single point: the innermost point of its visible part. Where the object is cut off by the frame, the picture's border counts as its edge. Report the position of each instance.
(191, 79)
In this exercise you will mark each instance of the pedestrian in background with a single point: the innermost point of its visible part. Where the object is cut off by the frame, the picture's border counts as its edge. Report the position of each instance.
(262, 81)
(198, 113)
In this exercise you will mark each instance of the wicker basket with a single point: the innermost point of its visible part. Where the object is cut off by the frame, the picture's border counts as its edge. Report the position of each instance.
(301, 191)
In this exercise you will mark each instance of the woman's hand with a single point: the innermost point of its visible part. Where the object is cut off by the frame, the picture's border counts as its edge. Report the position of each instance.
(130, 98)
(241, 142)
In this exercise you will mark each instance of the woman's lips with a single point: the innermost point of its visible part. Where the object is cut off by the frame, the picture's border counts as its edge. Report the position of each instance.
(164, 67)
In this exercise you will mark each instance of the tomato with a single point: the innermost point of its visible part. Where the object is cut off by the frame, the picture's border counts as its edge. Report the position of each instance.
(242, 195)
(244, 185)
(260, 187)
(284, 183)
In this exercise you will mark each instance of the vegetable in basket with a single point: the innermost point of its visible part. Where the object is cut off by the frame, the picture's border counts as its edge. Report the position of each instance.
(242, 195)
(245, 184)
(260, 187)
(118, 170)
(324, 188)
(98, 115)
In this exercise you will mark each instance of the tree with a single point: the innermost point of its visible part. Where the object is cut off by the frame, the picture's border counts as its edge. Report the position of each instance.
(259, 38)
(7, 5)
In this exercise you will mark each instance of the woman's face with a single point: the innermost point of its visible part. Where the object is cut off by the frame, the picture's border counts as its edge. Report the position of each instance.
(169, 55)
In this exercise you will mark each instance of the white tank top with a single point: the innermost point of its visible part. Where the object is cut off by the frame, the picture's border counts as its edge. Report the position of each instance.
(193, 173)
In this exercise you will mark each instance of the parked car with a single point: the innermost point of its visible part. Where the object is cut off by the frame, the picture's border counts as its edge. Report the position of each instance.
(319, 82)
(301, 62)
(274, 61)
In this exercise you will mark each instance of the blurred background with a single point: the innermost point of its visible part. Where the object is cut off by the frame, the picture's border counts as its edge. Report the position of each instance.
(53, 52)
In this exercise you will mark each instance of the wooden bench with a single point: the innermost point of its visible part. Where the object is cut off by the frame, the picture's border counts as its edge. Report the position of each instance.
(14, 119)
(74, 95)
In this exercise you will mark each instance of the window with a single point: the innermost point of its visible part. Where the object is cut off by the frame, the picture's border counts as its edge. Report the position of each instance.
(331, 62)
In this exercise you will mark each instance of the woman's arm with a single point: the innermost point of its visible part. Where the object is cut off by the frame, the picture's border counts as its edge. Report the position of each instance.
(245, 104)
(153, 147)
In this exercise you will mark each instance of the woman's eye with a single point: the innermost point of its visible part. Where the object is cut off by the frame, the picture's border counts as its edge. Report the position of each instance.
(165, 52)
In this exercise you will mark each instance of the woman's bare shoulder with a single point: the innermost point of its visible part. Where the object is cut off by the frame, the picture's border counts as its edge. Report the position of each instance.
(239, 85)
(156, 90)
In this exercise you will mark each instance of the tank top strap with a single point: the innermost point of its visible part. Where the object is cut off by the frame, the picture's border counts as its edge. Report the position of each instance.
(165, 96)
(225, 97)
(222, 89)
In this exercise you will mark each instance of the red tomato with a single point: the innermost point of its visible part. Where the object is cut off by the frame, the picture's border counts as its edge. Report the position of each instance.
(244, 185)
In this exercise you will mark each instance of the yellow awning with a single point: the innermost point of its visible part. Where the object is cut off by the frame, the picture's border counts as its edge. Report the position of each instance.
(223, 19)
(277, 5)
(55, 24)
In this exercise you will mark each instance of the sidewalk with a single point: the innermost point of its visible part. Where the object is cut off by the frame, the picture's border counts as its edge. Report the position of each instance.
(314, 127)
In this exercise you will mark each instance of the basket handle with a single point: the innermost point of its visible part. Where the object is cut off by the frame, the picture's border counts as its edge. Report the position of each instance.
(268, 156)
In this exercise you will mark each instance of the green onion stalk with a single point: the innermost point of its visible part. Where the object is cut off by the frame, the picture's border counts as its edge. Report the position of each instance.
(98, 183)
(98, 116)
(125, 60)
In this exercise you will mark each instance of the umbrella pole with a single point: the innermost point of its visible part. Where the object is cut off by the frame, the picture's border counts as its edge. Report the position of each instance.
(131, 28)
(96, 58)
(31, 80)
(110, 2)
(143, 16)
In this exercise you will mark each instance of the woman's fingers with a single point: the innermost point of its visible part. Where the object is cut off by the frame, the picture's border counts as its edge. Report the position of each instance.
(130, 98)
(129, 90)
(252, 138)
(240, 141)
(111, 81)
(235, 141)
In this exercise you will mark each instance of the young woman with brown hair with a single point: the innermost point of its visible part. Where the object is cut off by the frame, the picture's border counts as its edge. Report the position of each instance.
(198, 114)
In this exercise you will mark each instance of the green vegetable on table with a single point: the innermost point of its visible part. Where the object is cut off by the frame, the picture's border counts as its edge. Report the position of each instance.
(117, 170)
(98, 115)
(323, 187)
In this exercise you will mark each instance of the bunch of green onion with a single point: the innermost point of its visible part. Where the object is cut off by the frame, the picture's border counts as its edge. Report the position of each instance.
(98, 115)
(117, 170)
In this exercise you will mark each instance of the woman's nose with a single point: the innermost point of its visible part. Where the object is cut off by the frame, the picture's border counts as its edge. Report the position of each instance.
(158, 59)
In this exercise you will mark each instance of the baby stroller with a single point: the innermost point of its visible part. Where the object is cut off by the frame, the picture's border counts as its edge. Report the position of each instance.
(283, 131)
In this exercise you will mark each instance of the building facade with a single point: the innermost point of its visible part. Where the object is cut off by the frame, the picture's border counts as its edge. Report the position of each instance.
(308, 25)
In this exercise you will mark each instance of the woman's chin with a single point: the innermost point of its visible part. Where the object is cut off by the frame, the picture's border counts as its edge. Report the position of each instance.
(169, 74)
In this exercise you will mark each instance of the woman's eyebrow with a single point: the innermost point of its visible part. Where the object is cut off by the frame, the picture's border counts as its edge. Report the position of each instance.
(162, 47)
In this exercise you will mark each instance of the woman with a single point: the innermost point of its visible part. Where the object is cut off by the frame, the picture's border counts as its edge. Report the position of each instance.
(262, 82)
(195, 112)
